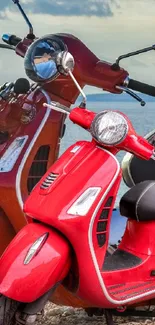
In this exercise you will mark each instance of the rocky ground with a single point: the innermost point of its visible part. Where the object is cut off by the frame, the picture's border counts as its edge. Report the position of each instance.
(56, 315)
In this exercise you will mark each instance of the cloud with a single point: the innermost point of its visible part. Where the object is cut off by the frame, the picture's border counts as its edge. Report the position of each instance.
(4, 4)
(98, 8)
(89, 8)
(74, 7)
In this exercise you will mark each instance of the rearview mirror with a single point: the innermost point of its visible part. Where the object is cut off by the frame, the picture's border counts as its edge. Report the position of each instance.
(41, 58)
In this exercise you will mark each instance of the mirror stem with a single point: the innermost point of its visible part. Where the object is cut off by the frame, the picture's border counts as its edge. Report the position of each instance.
(115, 66)
(83, 104)
(26, 19)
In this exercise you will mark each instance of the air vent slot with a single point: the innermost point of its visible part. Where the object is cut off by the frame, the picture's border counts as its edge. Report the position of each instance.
(101, 228)
(38, 167)
(48, 181)
(101, 238)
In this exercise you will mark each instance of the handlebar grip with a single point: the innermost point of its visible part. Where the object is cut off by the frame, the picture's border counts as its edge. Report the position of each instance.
(142, 87)
(14, 40)
(11, 39)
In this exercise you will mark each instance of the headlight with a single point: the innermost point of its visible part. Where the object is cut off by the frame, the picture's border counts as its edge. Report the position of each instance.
(109, 128)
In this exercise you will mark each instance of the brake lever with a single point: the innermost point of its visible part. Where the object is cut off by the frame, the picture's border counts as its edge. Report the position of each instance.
(132, 94)
(58, 107)
(5, 90)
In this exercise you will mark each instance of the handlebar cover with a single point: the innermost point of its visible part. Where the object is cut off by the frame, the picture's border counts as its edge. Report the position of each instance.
(140, 147)
(82, 117)
(142, 87)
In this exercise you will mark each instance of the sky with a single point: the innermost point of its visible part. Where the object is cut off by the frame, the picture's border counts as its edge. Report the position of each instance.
(108, 27)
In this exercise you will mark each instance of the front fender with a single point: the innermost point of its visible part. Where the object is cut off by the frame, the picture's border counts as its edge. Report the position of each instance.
(26, 283)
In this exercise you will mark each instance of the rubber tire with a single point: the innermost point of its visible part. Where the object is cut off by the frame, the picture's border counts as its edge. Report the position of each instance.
(8, 308)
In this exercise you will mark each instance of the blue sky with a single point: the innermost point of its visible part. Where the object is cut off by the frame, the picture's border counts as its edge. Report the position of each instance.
(108, 27)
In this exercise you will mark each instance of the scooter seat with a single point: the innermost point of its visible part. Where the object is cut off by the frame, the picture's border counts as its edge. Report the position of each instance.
(139, 202)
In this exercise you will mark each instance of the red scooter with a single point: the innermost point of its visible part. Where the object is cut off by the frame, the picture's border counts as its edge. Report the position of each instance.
(70, 211)
(28, 146)
(30, 135)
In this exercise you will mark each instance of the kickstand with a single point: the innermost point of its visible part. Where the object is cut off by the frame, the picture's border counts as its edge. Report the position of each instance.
(108, 317)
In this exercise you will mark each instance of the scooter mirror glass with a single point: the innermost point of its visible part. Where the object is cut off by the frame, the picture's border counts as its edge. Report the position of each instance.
(41, 59)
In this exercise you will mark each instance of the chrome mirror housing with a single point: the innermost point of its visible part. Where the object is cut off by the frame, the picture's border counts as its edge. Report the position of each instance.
(40, 61)
(65, 62)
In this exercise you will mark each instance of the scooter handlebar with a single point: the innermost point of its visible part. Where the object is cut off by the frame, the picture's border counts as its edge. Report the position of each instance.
(142, 87)
(11, 39)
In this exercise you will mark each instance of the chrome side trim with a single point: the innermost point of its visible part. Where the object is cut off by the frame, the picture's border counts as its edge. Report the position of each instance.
(21, 166)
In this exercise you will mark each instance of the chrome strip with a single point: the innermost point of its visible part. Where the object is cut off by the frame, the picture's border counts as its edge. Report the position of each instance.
(21, 166)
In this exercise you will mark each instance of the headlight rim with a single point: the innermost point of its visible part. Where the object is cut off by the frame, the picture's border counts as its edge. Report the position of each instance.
(94, 133)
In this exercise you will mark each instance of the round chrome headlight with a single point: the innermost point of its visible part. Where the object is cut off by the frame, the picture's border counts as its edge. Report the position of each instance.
(109, 128)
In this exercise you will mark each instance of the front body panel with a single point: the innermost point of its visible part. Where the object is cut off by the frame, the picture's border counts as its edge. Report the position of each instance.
(82, 167)
(27, 283)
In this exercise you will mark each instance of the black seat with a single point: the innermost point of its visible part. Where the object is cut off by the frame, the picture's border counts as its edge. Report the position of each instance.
(141, 170)
(139, 202)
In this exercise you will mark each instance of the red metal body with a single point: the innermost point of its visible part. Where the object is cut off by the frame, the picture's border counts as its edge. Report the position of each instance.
(24, 115)
(55, 264)
(84, 166)
(14, 117)
(88, 70)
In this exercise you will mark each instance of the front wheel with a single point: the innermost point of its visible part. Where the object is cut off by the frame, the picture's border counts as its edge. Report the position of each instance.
(8, 308)
(10, 313)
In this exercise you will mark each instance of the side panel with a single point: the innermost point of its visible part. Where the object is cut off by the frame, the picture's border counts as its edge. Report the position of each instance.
(26, 283)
